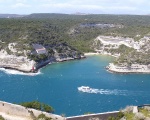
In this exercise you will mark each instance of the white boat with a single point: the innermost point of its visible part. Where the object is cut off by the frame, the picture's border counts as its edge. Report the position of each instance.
(85, 89)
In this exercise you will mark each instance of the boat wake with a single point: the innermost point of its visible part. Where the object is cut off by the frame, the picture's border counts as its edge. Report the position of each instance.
(15, 72)
(87, 89)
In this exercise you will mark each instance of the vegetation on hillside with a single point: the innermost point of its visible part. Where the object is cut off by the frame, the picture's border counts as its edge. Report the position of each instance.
(118, 117)
(131, 56)
(43, 117)
(127, 114)
(134, 57)
(1, 118)
(57, 30)
(53, 29)
(38, 106)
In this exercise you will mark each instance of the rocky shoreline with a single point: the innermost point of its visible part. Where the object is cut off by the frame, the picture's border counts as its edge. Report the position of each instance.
(18, 69)
(35, 56)
(29, 68)
(22, 64)
(134, 68)
(55, 61)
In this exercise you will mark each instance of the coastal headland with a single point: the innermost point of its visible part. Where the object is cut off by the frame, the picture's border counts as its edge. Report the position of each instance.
(32, 63)
(134, 68)
(32, 41)
(131, 56)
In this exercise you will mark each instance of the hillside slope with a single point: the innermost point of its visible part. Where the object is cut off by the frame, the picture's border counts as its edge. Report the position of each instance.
(66, 37)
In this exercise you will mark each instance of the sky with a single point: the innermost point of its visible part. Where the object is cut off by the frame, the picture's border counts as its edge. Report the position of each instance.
(72, 6)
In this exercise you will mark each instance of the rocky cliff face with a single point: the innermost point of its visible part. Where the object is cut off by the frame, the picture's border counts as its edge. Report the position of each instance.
(132, 56)
(31, 59)
(21, 63)
(134, 68)
(124, 48)
(111, 44)
(58, 53)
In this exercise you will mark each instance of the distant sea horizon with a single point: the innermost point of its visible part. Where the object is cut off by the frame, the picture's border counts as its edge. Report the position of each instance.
(57, 84)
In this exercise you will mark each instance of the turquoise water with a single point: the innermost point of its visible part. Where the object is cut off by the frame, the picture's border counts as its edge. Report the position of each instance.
(57, 86)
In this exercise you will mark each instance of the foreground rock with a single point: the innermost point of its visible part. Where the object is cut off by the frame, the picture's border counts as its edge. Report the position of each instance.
(136, 113)
(16, 112)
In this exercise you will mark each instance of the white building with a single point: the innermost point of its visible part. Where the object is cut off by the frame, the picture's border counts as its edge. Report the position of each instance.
(39, 49)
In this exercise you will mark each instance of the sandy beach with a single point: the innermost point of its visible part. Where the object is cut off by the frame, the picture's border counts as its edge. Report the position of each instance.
(91, 53)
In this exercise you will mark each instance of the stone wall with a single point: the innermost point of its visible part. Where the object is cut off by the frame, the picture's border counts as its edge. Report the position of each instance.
(98, 116)
(20, 111)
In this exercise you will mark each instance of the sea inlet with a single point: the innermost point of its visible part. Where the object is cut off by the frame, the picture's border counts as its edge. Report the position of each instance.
(57, 85)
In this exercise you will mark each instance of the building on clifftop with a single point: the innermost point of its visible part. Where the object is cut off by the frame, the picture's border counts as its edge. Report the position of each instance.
(39, 49)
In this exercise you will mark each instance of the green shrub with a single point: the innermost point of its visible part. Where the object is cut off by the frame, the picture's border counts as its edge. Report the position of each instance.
(1, 118)
(111, 118)
(34, 104)
(38, 106)
(43, 117)
(87, 113)
(47, 108)
(120, 115)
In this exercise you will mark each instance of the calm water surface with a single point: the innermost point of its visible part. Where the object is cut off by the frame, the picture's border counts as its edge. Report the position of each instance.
(57, 86)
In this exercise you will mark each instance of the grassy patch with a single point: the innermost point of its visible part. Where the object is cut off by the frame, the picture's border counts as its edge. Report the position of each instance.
(129, 116)
(145, 112)
(1, 118)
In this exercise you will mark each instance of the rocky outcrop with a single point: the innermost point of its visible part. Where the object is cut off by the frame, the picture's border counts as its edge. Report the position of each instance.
(55, 59)
(26, 65)
(20, 63)
(31, 61)
(134, 68)
(11, 111)
(110, 44)
(132, 56)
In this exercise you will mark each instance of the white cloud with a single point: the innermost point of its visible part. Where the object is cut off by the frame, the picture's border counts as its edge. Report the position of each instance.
(18, 5)
(88, 7)
(21, 1)
(71, 6)
(110, 2)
